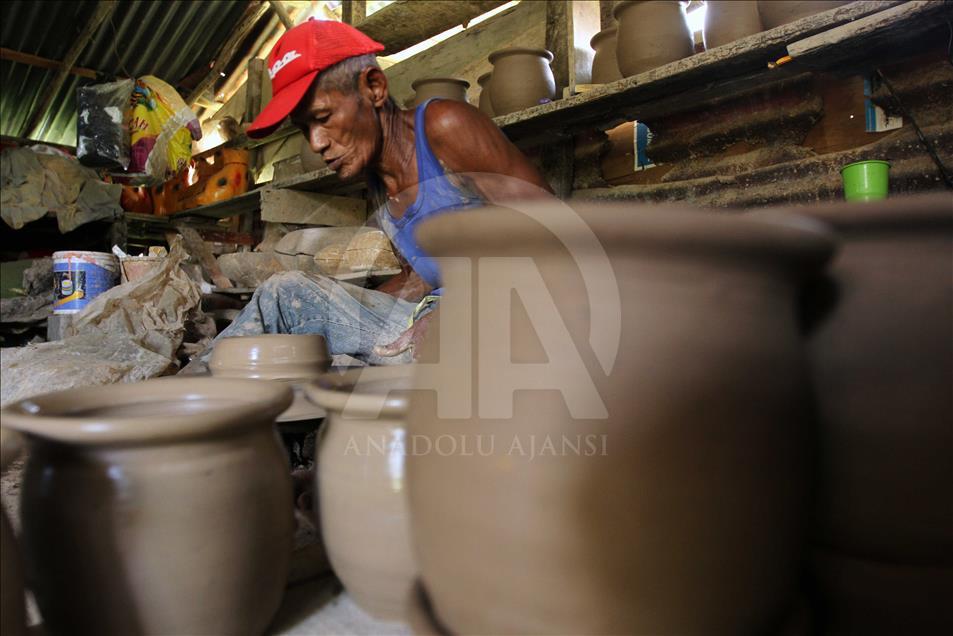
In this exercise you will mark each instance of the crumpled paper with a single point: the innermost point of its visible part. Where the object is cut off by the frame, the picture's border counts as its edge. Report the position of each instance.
(130, 333)
(35, 182)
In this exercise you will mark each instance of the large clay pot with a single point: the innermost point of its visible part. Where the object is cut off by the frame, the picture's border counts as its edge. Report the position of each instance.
(774, 13)
(291, 359)
(605, 68)
(730, 20)
(161, 507)
(521, 79)
(651, 33)
(882, 361)
(12, 613)
(861, 596)
(675, 479)
(441, 88)
(486, 106)
(360, 480)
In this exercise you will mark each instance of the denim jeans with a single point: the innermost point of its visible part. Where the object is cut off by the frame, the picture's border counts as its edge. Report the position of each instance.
(353, 320)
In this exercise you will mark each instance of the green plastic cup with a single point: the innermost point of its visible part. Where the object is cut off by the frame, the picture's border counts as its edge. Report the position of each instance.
(865, 180)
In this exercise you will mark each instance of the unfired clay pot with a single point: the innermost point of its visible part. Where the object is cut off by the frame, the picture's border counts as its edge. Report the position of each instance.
(774, 13)
(12, 613)
(605, 68)
(486, 106)
(162, 507)
(290, 359)
(360, 481)
(730, 20)
(674, 474)
(882, 359)
(440, 87)
(521, 79)
(651, 33)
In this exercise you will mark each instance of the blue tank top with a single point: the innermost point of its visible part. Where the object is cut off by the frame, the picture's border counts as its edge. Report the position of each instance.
(435, 195)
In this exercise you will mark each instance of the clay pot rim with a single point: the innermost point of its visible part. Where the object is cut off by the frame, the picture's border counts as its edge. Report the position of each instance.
(602, 35)
(11, 443)
(516, 50)
(673, 231)
(59, 416)
(625, 4)
(335, 392)
(483, 78)
(442, 80)
(920, 211)
(230, 357)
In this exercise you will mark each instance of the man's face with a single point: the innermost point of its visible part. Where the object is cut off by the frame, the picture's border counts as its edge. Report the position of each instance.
(340, 126)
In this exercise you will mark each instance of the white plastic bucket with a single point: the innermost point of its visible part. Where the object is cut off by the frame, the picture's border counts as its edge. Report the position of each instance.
(78, 277)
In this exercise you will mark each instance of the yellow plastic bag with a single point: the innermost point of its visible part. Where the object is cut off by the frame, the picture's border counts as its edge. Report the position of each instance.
(161, 130)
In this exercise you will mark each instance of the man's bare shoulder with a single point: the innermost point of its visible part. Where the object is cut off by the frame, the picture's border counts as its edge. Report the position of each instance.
(460, 133)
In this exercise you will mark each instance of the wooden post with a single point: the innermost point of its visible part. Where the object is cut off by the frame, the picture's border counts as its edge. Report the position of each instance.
(253, 105)
(279, 8)
(557, 160)
(353, 11)
(605, 13)
(570, 24)
(104, 9)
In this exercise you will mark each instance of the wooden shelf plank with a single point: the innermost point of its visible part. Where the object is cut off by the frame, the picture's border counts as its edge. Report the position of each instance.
(242, 204)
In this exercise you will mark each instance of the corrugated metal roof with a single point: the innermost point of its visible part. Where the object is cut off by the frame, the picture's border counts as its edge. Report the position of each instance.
(168, 39)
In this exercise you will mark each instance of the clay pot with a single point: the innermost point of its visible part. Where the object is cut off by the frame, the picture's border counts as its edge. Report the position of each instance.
(774, 13)
(651, 33)
(12, 612)
(730, 20)
(290, 359)
(162, 507)
(605, 68)
(859, 596)
(521, 79)
(310, 160)
(360, 481)
(486, 106)
(440, 87)
(882, 362)
(675, 479)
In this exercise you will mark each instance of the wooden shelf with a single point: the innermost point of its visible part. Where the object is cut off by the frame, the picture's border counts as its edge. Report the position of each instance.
(725, 70)
(242, 204)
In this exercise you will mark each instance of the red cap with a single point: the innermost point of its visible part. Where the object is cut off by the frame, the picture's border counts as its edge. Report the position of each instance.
(298, 57)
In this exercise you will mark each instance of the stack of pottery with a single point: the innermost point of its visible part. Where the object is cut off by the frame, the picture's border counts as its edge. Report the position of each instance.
(730, 20)
(521, 79)
(360, 483)
(605, 68)
(630, 471)
(440, 88)
(486, 106)
(651, 33)
(162, 507)
(882, 359)
(12, 612)
(774, 13)
(290, 359)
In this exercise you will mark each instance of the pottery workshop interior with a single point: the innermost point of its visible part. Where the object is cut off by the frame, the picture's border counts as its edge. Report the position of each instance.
(476, 317)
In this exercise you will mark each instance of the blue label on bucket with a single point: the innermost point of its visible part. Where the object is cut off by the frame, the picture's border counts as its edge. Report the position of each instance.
(76, 283)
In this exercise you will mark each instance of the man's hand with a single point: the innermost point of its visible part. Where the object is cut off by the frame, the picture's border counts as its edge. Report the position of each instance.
(407, 340)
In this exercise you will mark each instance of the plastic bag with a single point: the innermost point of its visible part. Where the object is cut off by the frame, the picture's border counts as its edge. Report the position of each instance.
(102, 130)
(162, 129)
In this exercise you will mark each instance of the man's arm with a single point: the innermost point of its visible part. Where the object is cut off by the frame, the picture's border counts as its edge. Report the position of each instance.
(482, 154)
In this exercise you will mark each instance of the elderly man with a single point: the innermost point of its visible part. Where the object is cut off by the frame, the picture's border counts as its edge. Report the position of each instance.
(443, 155)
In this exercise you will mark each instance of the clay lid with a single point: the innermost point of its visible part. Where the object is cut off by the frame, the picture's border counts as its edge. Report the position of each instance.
(601, 35)
(366, 392)
(11, 443)
(495, 55)
(150, 412)
(915, 212)
(441, 80)
(483, 78)
(270, 357)
(667, 231)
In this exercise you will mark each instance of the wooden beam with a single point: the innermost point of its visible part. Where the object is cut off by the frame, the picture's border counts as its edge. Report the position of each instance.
(569, 27)
(605, 13)
(279, 8)
(309, 208)
(353, 11)
(103, 10)
(256, 11)
(42, 62)
(404, 23)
